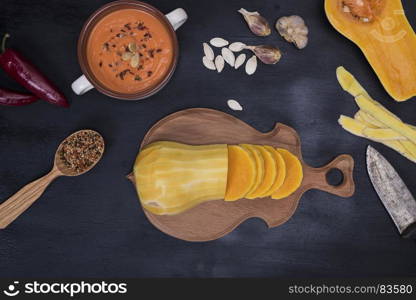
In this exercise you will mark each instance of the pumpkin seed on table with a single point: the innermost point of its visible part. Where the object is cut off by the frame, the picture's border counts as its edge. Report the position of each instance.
(208, 63)
(240, 61)
(237, 47)
(219, 63)
(251, 65)
(234, 105)
(218, 42)
(209, 53)
(228, 56)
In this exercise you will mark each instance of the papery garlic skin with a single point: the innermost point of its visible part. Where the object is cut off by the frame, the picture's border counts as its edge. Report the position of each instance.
(257, 24)
(294, 30)
(269, 55)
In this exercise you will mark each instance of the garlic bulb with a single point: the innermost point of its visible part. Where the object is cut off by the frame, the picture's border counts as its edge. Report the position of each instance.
(257, 24)
(294, 30)
(267, 54)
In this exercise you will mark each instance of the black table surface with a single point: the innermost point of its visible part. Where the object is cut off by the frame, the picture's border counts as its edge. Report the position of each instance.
(93, 225)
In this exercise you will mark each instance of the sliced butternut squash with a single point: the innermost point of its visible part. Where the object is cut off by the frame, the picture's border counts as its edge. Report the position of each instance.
(241, 172)
(280, 171)
(368, 120)
(374, 121)
(270, 172)
(171, 177)
(348, 82)
(258, 158)
(383, 134)
(352, 125)
(294, 175)
(387, 41)
(387, 118)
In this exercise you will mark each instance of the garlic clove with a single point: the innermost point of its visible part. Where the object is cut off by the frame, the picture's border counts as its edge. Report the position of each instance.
(294, 30)
(251, 65)
(209, 53)
(267, 54)
(228, 56)
(237, 46)
(208, 63)
(240, 61)
(218, 42)
(234, 105)
(257, 24)
(219, 63)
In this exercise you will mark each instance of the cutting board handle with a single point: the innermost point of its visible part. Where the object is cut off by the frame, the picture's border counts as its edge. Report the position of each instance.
(317, 177)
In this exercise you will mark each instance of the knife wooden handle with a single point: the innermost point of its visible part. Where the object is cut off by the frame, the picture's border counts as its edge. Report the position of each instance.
(410, 232)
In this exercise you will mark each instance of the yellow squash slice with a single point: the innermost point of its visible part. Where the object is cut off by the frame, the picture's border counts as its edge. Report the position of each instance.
(294, 175)
(280, 171)
(270, 172)
(258, 158)
(241, 172)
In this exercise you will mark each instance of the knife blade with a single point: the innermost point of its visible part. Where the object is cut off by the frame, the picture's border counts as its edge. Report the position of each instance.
(393, 192)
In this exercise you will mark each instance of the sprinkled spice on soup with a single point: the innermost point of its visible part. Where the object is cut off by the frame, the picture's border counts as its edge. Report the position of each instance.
(129, 51)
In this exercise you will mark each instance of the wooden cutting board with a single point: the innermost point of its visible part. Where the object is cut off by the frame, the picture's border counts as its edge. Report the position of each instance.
(214, 219)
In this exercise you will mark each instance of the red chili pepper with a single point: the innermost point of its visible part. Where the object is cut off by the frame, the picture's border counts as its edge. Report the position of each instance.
(11, 98)
(28, 76)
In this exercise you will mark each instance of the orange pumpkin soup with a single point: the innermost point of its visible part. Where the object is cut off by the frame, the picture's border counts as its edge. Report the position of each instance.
(129, 51)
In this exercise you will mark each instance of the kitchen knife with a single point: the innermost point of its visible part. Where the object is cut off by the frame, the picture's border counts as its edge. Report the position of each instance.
(393, 192)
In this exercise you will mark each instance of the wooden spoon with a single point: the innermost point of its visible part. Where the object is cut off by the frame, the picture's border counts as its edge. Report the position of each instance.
(24, 198)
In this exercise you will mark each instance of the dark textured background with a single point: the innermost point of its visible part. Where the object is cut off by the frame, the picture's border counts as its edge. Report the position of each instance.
(93, 225)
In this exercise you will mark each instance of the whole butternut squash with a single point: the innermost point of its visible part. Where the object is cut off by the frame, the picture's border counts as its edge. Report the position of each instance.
(172, 177)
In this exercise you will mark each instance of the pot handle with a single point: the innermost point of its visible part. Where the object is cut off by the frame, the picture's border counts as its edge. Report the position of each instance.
(177, 17)
(81, 85)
